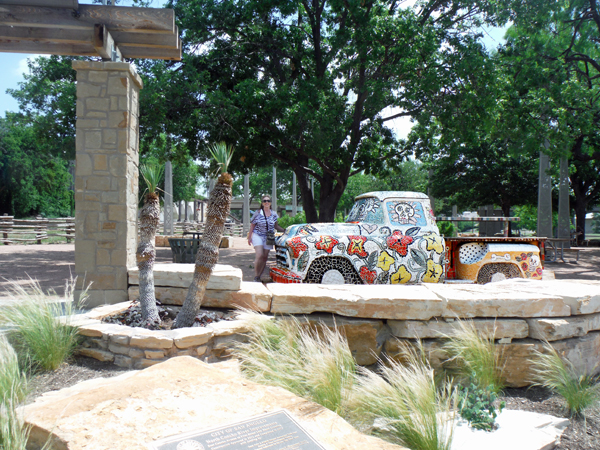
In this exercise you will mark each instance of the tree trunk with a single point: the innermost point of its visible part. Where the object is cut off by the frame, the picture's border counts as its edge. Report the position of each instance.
(219, 203)
(580, 211)
(145, 256)
(331, 192)
(308, 203)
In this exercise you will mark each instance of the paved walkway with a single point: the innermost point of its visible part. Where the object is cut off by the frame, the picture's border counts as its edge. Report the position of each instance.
(52, 264)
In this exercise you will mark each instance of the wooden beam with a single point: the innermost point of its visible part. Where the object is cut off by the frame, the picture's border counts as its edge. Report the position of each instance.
(21, 46)
(83, 36)
(46, 35)
(105, 44)
(14, 46)
(116, 18)
(73, 4)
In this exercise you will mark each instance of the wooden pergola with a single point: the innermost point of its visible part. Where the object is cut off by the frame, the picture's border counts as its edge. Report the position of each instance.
(64, 27)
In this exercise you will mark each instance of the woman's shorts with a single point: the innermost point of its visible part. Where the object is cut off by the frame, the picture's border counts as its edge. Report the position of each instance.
(257, 239)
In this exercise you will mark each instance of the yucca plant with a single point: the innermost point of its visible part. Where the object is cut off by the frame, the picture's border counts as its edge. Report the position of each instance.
(312, 362)
(38, 325)
(404, 405)
(219, 203)
(146, 252)
(475, 357)
(550, 370)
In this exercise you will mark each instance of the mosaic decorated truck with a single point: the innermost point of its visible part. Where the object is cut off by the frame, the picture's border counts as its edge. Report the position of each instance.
(392, 238)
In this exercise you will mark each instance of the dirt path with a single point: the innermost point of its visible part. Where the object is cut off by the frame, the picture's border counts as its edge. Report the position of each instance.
(53, 264)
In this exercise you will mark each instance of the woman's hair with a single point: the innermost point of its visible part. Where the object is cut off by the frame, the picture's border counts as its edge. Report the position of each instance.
(268, 197)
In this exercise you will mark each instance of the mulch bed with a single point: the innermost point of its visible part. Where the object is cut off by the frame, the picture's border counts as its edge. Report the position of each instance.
(582, 434)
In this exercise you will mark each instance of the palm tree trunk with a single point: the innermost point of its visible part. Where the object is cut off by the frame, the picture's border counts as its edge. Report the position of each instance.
(208, 251)
(145, 256)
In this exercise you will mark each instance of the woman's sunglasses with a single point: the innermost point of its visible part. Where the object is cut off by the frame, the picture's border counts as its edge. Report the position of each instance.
(266, 201)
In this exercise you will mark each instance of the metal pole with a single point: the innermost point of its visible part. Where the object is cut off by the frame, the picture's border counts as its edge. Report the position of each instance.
(564, 223)
(544, 219)
(168, 222)
(246, 207)
(274, 190)
(294, 199)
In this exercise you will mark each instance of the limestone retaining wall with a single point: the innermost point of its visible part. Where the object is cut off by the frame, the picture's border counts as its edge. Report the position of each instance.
(375, 319)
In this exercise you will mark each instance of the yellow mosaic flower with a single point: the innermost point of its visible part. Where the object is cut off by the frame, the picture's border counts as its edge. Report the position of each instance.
(401, 276)
(433, 273)
(434, 242)
(385, 261)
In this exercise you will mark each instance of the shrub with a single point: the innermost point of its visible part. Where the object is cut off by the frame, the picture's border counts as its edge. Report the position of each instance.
(405, 404)
(475, 357)
(477, 406)
(579, 391)
(39, 326)
(313, 363)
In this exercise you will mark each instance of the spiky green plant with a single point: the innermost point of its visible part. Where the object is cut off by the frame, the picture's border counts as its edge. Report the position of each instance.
(39, 325)
(475, 356)
(219, 203)
(404, 405)
(314, 363)
(550, 370)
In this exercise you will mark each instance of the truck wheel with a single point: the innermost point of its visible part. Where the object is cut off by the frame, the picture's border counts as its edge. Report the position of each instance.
(332, 270)
(497, 272)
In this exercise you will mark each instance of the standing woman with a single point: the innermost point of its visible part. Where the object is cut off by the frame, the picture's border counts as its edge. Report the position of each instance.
(262, 221)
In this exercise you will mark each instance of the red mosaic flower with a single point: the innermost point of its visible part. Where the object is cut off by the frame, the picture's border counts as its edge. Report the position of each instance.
(538, 271)
(356, 246)
(297, 246)
(326, 243)
(368, 276)
(399, 242)
(524, 266)
(523, 256)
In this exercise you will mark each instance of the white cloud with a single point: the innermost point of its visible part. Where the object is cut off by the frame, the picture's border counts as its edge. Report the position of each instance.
(22, 66)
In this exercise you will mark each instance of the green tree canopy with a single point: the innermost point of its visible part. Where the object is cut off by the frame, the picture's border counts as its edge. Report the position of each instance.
(307, 84)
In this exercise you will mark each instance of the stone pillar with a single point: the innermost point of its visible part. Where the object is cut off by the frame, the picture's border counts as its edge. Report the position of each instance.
(274, 190)
(544, 218)
(564, 221)
(106, 178)
(294, 196)
(181, 211)
(246, 207)
(169, 219)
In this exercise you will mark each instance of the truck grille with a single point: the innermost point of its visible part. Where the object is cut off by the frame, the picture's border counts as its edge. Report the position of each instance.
(281, 256)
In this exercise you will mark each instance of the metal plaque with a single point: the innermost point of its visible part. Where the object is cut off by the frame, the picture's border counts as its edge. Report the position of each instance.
(273, 431)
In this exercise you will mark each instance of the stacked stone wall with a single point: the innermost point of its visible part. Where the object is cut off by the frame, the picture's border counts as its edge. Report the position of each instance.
(377, 320)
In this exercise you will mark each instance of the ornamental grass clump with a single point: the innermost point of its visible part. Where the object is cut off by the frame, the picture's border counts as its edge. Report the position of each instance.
(13, 388)
(312, 362)
(475, 357)
(579, 391)
(39, 325)
(403, 404)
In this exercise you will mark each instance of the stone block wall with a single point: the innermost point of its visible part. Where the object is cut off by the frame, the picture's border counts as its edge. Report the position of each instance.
(106, 178)
(378, 320)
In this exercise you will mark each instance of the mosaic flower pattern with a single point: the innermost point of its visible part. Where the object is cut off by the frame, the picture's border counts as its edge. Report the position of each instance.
(401, 276)
(385, 261)
(368, 276)
(397, 241)
(297, 246)
(357, 246)
(326, 243)
(434, 242)
(433, 273)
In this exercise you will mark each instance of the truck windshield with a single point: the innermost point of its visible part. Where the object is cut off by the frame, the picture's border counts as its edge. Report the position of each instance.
(366, 210)
(406, 213)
